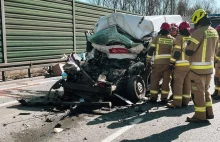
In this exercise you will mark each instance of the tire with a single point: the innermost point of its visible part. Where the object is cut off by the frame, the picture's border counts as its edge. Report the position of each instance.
(135, 88)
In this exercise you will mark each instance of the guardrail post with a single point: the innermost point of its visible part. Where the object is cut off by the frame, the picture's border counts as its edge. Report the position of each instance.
(74, 26)
(4, 46)
(29, 73)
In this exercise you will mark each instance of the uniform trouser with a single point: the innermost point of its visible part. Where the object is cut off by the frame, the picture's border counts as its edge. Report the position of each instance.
(200, 95)
(160, 71)
(181, 87)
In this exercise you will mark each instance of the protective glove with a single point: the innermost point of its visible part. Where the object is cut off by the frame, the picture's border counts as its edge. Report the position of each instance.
(171, 66)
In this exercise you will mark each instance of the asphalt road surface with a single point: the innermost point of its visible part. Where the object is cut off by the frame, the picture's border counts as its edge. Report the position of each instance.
(144, 122)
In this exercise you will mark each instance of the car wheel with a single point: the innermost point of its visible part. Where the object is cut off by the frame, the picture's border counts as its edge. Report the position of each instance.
(135, 88)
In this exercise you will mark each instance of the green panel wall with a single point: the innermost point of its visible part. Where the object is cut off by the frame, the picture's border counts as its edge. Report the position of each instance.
(43, 29)
(38, 29)
(86, 15)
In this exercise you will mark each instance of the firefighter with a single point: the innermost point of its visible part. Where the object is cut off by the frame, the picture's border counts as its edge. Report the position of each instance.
(180, 65)
(216, 94)
(201, 49)
(174, 30)
(161, 49)
(174, 33)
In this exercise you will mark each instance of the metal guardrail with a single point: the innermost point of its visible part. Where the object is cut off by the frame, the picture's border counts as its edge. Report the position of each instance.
(27, 65)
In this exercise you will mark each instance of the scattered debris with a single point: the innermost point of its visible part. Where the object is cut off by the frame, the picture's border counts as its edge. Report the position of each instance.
(58, 125)
(26, 125)
(67, 129)
(57, 130)
(24, 113)
(85, 138)
(4, 125)
(48, 120)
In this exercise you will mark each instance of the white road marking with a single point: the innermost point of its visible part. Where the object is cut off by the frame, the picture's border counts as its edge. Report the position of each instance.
(8, 103)
(123, 129)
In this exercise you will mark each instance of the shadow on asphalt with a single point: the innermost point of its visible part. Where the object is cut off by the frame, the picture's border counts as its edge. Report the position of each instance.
(30, 95)
(125, 116)
(170, 134)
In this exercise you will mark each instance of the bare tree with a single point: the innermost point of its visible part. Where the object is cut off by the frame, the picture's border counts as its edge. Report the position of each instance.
(159, 7)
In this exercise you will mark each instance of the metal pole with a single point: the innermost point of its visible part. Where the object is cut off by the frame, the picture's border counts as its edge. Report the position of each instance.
(29, 73)
(74, 26)
(4, 45)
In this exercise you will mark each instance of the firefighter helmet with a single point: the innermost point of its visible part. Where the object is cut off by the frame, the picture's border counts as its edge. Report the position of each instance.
(198, 15)
(174, 26)
(218, 28)
(165, 26)
(184, 25)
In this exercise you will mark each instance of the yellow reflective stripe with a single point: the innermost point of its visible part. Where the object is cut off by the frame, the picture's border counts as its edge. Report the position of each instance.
(186, 96)
(165, 41)
(217, 57)
(172, 59)
(204, 50)
(182, 64)
(162, 56)
(201, 63)
(186, 38)
(200, 109)
(164, 92)
(211, 33)
(201, 67)
(183, 55)
(208, 104)
(177, 47)
(153, 91)
(177, 97)
(217, 88)
(153, 45)
(157, 49)
(184, 46)
(194, 40)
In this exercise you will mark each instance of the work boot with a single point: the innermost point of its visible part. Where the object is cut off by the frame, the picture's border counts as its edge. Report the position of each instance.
(217, 97)
(215, 94)
(195, 120)
(171, 105)
(209, 116)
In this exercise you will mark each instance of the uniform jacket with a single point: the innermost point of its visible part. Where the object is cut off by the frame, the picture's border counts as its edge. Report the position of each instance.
(201, 48)
(178, 56)
(161, 47)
